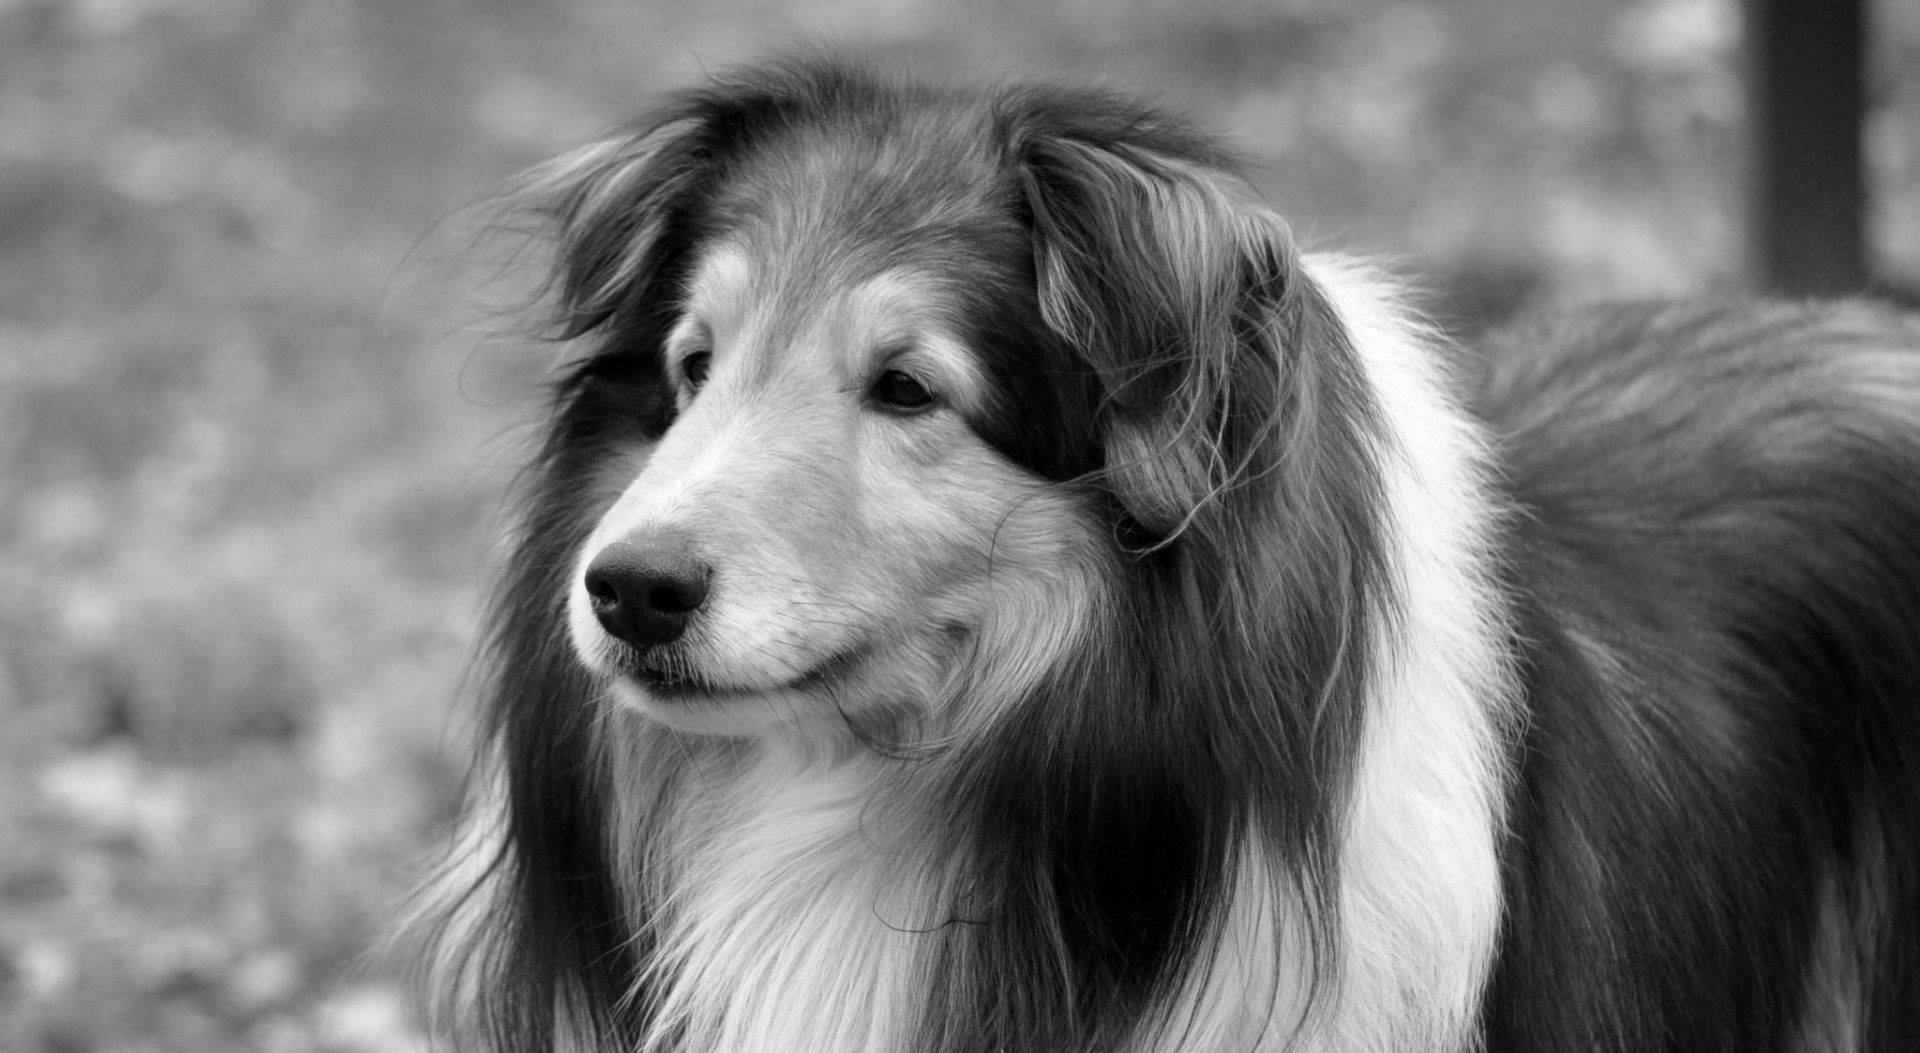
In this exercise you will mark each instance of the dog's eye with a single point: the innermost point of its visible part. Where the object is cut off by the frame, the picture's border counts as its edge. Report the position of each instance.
(694, 368)
(898, 391)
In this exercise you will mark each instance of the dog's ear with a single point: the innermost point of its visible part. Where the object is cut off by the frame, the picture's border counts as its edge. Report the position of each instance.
(624, 206)
(1185, 297)
(617, 209)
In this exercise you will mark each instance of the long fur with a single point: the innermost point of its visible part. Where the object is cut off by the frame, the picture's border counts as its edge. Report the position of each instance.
(1203, 668)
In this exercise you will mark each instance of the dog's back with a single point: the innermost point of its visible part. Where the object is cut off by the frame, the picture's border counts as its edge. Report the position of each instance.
(1717, 556)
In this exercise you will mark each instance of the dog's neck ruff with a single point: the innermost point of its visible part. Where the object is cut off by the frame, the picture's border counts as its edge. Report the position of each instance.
(1420, 879)
(790, 892)
(781, 923)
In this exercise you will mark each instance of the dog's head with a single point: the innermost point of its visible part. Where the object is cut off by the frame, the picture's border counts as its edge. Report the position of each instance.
(1003, 422)
(885, 380)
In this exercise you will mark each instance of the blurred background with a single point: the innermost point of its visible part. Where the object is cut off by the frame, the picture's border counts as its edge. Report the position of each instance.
(255, 431)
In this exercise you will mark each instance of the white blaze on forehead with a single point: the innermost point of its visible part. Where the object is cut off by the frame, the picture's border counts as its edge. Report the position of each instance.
(762, 321)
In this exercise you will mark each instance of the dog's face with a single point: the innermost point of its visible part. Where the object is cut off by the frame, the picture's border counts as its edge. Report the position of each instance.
(1003, 427)
(881, 391)
(822, 531)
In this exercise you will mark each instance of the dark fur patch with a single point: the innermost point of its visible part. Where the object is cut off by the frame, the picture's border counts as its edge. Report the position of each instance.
(1719, 557)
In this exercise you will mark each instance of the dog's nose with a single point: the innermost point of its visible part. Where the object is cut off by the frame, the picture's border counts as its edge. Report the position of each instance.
(645, 591)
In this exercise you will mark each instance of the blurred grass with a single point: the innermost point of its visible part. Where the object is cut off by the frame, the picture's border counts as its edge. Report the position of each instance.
(251, 446)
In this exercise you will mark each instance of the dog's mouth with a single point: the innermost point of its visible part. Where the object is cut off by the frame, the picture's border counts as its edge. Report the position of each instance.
(669, 679)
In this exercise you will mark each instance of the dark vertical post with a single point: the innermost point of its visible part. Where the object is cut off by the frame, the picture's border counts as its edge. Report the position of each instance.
(1809, 203)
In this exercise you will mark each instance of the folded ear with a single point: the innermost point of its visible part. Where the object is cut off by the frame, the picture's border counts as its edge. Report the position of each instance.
(1218, 356)
(617, 210)
(624, 207)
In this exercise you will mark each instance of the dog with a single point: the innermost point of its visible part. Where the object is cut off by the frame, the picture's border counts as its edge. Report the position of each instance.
(984, 587)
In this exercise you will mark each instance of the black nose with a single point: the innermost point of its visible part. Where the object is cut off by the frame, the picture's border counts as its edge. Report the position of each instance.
(645, 591)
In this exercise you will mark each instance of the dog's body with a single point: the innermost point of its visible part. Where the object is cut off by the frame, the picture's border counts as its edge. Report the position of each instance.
(983, 589)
